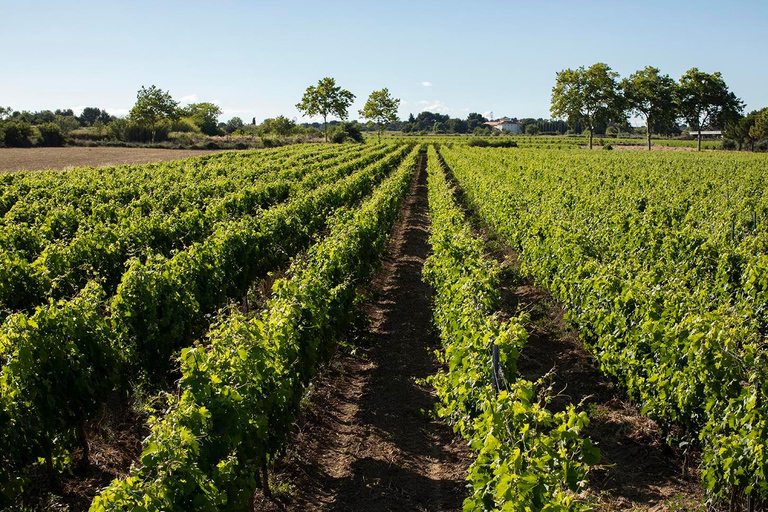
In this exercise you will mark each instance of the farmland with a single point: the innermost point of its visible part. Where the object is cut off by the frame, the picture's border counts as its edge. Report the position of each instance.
(18, 159)
(213, 296)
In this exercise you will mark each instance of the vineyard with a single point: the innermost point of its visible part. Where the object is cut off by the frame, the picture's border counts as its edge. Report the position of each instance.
(221, 287)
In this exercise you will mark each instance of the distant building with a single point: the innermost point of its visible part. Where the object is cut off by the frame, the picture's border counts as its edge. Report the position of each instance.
(715, 134)
(505, 124)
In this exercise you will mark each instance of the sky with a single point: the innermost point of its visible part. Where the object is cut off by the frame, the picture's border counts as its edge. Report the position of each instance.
(255, 59)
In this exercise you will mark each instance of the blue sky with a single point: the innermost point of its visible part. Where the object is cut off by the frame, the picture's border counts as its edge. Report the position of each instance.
(255, 59)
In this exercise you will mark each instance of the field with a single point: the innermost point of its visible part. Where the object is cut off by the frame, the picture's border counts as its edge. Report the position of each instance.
(412, 325)
(34, 159)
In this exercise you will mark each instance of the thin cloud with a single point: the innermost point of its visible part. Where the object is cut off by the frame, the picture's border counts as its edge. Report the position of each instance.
(190, 98)
(437, 106)
(117, 112)
(426, 84)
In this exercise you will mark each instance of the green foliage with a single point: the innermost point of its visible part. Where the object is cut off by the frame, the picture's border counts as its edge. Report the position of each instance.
(704, 100)
(213, 210)
(153, 106)
(660, 260)
(51, 135)
(326, 99)
(588, 96)
(233, 125)
(240, 392)
(185, 125)
(17, 134)
(381, 108)
(204, 115)
(347, 132)
(532, 129)
(651, 95)
(527, 457)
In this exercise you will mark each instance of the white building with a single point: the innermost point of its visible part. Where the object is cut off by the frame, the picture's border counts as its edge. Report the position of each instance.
(505, 124)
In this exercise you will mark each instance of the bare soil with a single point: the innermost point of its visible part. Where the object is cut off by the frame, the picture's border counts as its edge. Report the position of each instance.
(368, 440)
(36, 159)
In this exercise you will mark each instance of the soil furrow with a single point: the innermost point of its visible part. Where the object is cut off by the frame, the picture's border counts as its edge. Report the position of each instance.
(368, 440)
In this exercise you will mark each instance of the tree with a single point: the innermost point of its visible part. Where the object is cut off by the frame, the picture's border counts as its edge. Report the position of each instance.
(589, 96)
(89, 116)
(204, 115)
(282, 126)
(381, 108)
(651, 95)
(704, 100)
(532, 129)
(759, 130)
(233, 125)
(324, 100)
(741, 131)
(474, 120)
(153, 106)
(5, 113)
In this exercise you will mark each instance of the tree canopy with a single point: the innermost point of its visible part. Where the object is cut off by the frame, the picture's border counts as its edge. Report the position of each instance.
(326, 99)
(204, 115)
(381, 108)
(649, 94)
(704, 100)
(587, 95)
(152, 106)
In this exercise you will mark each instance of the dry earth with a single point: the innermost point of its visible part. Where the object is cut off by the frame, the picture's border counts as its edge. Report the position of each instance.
(35, 159)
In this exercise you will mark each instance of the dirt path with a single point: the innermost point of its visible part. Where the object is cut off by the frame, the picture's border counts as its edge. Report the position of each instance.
(368, 441)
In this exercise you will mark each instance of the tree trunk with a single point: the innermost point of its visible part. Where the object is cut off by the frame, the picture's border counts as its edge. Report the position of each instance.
(325, 127)
(83, 440)
(379, 134)
(590, 137)
(265, 481)
(648, 131)
(698, 143)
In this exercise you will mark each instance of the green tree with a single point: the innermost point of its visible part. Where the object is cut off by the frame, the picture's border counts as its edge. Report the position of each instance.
(282, 126)
(152, 106)
(233, 125)
(704, 100)
(651, 95)
(204, 115)
(381, 108)
(741, 131)
(589, 96)
(474, 120)
(326, 99)
(89, 116)
(531, 129)
(5, 113)
(759, 130)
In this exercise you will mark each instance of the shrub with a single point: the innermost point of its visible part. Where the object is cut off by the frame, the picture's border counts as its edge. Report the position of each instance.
(532, 129)
(608, 147)
(17, 134)
(184, 125)
(478, 143)
(134, 132)
(484, 143)
(730, 144)
(51, 135)
(2, 137)
(346, 132)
